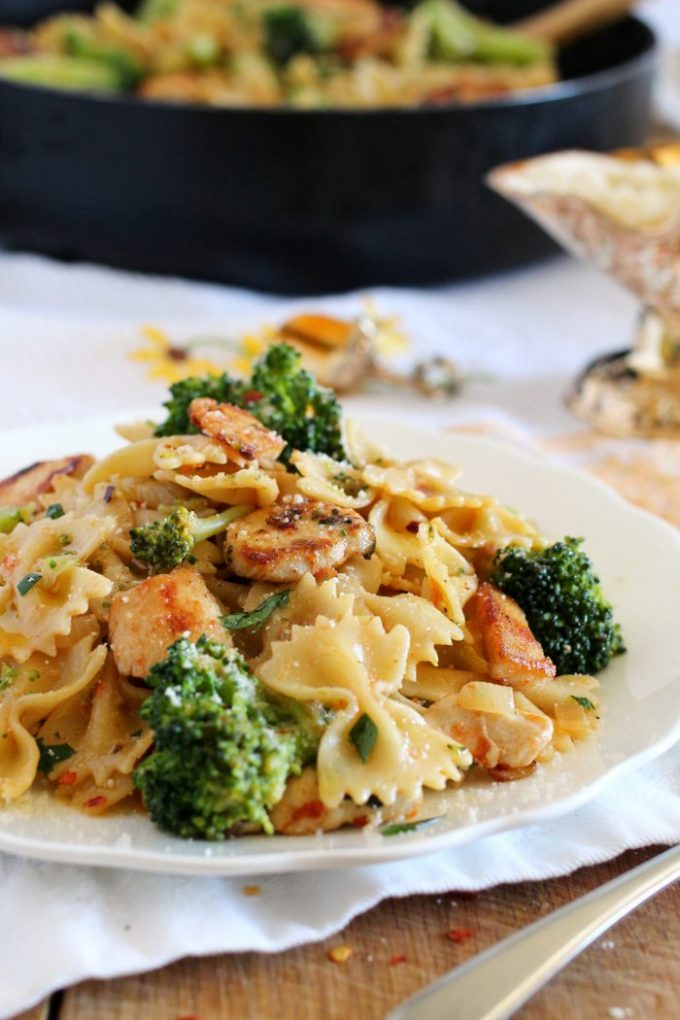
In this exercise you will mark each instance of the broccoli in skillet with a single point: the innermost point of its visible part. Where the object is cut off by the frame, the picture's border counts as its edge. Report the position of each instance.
(456, 35)
(224, 748)
(290, 30)
(281, 394)
(124, 67)
(563, 602)
(166, 543)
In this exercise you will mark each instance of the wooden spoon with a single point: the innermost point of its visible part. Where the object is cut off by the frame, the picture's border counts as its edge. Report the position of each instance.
(570, 19)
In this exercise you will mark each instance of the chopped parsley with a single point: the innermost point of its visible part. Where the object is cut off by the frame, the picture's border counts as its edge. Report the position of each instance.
(65, 539)
(397, 828)
(54, 511)
(27, 582)
(583, 702)
(363, 735)
(52, 754)
(258, 616)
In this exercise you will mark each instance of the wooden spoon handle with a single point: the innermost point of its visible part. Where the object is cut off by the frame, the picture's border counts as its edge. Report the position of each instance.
(570, 19)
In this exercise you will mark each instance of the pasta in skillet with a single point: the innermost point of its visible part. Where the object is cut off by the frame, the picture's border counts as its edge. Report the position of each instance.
(258, 621)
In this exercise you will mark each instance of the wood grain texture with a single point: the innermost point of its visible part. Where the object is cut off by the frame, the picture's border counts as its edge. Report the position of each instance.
(37, 1013)
(634, 968)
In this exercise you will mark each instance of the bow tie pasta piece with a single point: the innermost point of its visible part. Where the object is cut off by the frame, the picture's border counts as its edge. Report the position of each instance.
(355, 668)
(44, 582)
(427, 626)
(108, 739)
(38, 688)
(326, 479)
(431, 485)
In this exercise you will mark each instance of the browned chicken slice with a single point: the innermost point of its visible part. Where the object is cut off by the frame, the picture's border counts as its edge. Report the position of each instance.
(247, 438)
(145, 620)
(301, 812)
(503, 636)
(282, 543)
(32, 481)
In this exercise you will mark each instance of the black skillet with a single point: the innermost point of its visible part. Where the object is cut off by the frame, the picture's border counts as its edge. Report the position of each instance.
(305, 201)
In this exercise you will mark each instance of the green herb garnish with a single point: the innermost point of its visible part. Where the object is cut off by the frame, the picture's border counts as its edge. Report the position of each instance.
(396, 828)
(27, 582)
(52, 754)
(583, 702)
(54, 511)
(255, 619)
(363, 735)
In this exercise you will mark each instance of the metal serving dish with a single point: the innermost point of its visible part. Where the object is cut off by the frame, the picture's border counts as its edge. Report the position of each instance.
(304, 200)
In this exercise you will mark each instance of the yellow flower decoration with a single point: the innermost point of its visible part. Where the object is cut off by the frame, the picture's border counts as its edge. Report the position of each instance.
(168, 362)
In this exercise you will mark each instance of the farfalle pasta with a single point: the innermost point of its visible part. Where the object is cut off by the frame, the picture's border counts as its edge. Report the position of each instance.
(328, 635)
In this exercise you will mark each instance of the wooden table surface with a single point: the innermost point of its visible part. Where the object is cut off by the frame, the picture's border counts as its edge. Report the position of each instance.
(632, 973)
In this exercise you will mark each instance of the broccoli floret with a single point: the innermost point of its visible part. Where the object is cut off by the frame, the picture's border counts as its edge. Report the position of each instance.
(292, 403)
(123, 65)
(291, 30)
(280, 394)
(563, 602)
(224, 748)
(166, 543)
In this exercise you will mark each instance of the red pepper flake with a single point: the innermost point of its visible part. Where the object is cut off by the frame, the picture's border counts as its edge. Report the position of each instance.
(66, 778)
(396, 960)
(413, 526)
(312, 809)
(459, 935)
(95, 801)
(360, 821)
(252, 396)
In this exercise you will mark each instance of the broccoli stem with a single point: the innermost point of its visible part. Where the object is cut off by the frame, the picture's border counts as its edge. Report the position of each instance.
(207, 527)
(166, 543)
(457, 35)
(60, 72)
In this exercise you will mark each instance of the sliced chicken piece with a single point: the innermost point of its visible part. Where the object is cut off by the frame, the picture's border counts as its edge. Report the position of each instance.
(300, 812)
(511, 741)
(247, 438)
(145, 620)
(282, 543)
(29, 483)
(503, 636)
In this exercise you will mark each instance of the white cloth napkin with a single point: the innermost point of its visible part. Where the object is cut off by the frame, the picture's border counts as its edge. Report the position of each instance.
(67, 333)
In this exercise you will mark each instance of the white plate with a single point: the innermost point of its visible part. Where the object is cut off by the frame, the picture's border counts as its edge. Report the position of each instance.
(638, 559)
